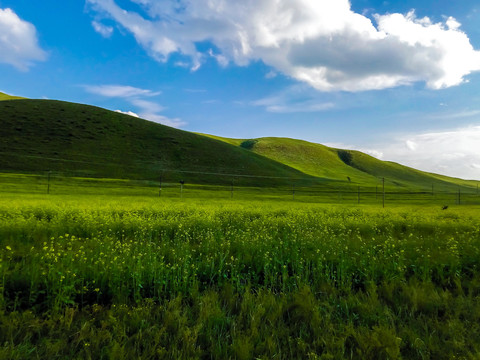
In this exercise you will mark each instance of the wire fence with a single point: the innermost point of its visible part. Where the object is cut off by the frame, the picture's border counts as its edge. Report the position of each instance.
(235, 187)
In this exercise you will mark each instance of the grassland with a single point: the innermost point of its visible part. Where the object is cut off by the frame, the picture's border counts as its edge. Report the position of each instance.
(105, 255)
(103, 276)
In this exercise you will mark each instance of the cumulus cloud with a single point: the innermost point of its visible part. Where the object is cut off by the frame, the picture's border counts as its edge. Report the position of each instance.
(18, 41)
(104, 30)
(321, 42)
(147, 109)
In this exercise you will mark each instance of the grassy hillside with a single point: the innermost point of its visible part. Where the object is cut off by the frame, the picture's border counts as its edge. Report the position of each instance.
(42, 135)
(4, 96)
(344, 165)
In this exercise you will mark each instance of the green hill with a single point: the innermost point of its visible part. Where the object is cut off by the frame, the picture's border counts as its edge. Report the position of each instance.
(80, 140)
(43, 135)
(4, 96)
(344, 165)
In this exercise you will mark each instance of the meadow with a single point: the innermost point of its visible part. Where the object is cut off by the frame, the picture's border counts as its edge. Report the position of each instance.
(206, 276)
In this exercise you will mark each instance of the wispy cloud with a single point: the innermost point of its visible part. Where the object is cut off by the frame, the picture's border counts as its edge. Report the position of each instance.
(104, 30)
(295, 99)
(455, 152)
(120, 91)
(305, 106)
(147, 109)
(147, 106)
(271, 75)
(164, 120)
(454, 115)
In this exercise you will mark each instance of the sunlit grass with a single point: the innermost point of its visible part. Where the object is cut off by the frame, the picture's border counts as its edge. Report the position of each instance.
(236, 279)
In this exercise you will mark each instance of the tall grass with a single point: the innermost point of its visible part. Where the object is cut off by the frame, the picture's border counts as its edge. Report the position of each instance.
(159, 278)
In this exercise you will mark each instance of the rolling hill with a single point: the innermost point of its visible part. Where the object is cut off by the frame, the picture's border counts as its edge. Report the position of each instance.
(81, 140)
(343, 165)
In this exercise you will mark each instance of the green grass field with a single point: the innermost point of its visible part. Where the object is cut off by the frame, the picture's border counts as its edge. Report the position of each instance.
(272, 248)
(107, 269)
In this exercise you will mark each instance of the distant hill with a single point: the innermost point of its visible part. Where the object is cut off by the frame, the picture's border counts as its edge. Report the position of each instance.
(46, 135)
(343, 165)
(4, 96)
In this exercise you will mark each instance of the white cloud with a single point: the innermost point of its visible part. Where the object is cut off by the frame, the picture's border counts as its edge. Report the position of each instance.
(147, 106)
(222, 60)
(372, 152)
(294, 99)
(412, 145)
(271, 75)
(455, 153)
(298, 107)
(454, 114)
(120, 91)
(320, 42)
(172, 122)
(131, 113)
(150, 110)
(147, 109)
(18, 41)
(104, 30)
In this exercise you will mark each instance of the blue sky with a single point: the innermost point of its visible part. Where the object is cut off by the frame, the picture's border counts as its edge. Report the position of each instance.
(399, 80)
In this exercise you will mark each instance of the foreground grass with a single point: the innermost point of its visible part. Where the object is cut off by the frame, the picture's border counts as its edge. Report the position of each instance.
(133, 277)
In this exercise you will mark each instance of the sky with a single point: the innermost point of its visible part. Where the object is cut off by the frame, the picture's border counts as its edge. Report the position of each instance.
(398, 80)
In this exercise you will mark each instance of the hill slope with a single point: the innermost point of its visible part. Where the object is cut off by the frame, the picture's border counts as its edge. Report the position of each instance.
(4, 96)
(42, 135)
(343, 165)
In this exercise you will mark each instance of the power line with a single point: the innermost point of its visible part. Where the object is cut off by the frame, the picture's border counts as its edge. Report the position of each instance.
(163, 169)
